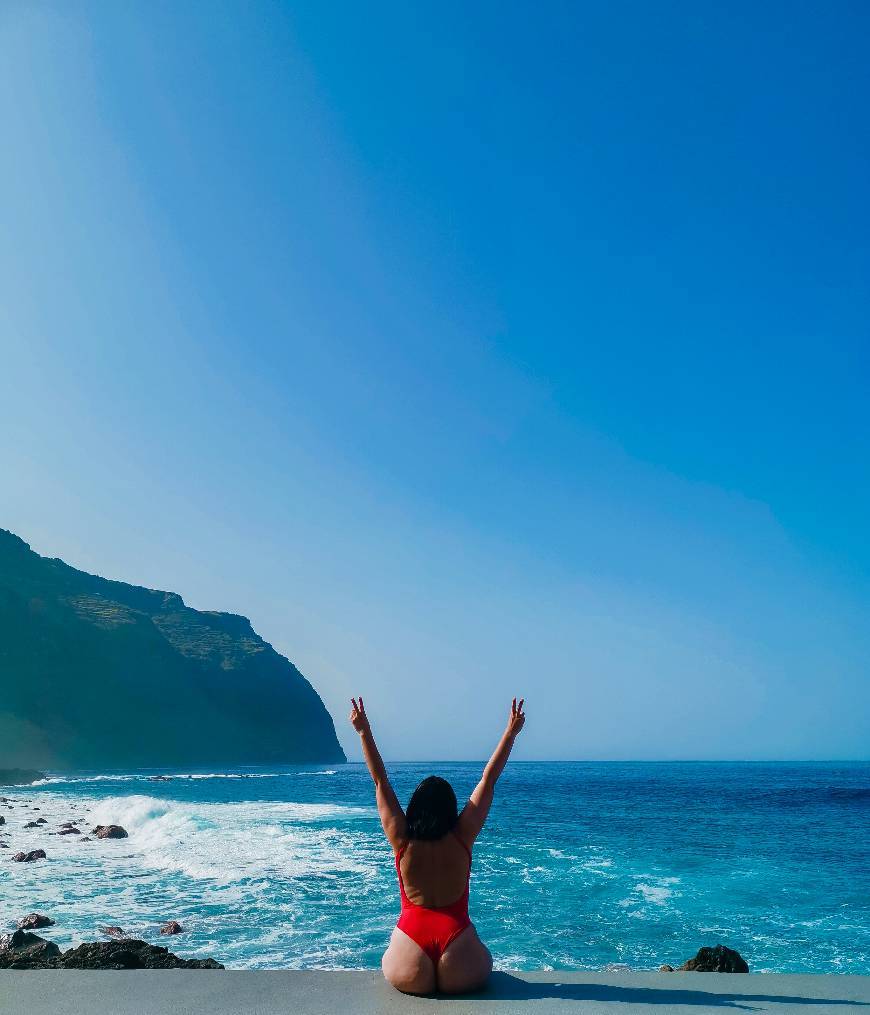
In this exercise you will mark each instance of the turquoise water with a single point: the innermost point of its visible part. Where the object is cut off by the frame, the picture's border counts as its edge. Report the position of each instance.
(580, 866)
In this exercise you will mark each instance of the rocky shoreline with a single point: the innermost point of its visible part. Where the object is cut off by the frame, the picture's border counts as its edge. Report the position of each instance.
(41, 825)
(25, 950)
(22, 949)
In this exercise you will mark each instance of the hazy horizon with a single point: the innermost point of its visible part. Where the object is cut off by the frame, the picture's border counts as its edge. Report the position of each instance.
(467, 352)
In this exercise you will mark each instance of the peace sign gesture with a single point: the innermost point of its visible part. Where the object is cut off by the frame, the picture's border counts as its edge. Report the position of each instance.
(358, 718)
(517, 719)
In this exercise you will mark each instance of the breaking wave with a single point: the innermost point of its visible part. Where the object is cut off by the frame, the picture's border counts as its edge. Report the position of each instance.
(175, 776)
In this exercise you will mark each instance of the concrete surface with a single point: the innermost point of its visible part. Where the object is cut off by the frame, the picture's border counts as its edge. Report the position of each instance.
(311, 992)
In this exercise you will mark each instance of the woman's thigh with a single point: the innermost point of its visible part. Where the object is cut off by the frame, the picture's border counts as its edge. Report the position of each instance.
(465, 965)
(406, 966)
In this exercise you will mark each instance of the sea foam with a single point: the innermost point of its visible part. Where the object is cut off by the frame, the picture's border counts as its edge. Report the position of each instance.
(282, 870)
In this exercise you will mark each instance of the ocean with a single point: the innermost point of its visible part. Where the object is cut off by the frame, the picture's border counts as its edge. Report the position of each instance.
(581, 865)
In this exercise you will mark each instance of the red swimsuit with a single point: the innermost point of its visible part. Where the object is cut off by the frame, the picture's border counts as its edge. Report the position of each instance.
(433, 929)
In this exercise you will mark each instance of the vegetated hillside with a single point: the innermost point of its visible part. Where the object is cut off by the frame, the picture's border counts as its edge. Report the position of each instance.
(97, 673)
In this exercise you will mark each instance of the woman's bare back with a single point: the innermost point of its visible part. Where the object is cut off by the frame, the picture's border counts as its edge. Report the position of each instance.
(434, 873)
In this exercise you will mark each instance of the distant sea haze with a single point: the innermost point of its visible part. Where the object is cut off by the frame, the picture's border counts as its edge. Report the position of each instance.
(582, 865)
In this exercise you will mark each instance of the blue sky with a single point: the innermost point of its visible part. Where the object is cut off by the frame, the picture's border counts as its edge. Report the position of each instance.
(469, 350)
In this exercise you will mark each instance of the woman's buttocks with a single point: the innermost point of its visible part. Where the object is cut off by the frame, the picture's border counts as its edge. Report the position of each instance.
(434, 873)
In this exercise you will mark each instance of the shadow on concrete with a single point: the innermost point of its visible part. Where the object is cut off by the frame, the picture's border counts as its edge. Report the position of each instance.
(507, 987)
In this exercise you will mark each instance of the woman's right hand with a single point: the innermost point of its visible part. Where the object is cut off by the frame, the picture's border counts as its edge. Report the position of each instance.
(358, 718)
(517, 719)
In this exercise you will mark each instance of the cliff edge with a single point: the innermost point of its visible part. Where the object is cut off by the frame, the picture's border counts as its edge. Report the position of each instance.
(97, 673)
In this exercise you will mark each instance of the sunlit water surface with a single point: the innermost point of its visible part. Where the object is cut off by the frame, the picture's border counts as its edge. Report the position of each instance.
(581, 865)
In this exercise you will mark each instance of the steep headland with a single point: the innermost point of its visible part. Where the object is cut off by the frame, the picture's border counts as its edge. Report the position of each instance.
(97, 673)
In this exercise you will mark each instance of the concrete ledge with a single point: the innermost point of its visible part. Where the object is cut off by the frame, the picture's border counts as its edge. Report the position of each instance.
(312, 992)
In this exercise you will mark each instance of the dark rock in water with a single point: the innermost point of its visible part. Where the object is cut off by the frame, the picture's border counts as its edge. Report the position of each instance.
(23, 950)
(171, 927)
(83, 648)
(69, 831)
(19, 776)
(32, 824)
(4, 845)
(34, 921)
(42, 821)
(109, 832)
(34, 854)
(68, 824)
(2, 820)
(666, 968)
(131, 954)
(716, 960)
(86, 838)
(113, 932)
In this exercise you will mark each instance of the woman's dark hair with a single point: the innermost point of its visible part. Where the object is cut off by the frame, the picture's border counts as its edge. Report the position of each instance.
(431, 812)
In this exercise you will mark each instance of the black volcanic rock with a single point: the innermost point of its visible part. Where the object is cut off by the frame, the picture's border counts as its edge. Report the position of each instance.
(716, 960)
(23, 950)
(132, 954)
(34, 921)
(34, 854)
(97, 673)
(109, 832)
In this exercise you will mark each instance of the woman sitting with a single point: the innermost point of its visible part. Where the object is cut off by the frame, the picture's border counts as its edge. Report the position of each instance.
(434, 945)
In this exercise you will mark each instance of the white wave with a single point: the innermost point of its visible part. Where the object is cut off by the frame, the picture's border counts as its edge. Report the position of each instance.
(160, 777)
(656, 894)
(57, 779)
(222, 775)
(239, 775)
(226, 842)
(274, 868)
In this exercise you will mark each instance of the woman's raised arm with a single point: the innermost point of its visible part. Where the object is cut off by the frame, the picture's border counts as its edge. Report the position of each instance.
(475, 812)
(389, 810)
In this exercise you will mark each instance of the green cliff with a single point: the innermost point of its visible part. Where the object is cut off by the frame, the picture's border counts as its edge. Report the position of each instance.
(97, 673)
